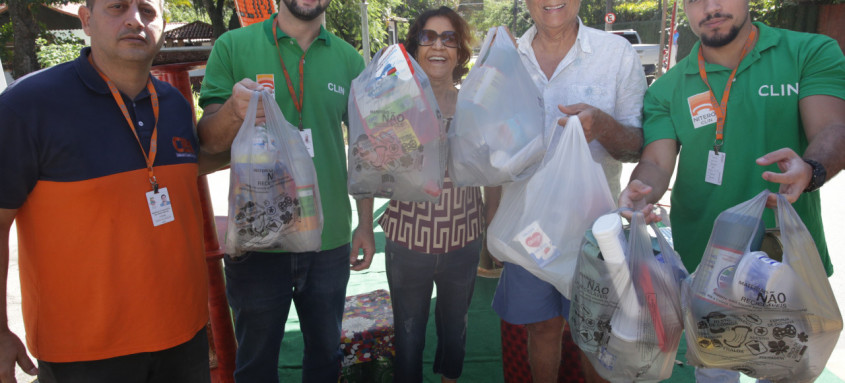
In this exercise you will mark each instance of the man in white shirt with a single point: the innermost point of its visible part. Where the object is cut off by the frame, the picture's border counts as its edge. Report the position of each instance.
(598, 77)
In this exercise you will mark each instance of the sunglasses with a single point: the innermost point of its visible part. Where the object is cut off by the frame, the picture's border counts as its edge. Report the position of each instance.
(448, 38)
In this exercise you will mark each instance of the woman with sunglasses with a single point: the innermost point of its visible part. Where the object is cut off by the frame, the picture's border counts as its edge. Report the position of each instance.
(434, 242)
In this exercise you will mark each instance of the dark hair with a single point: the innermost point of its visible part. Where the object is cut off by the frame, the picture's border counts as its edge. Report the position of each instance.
(412, 42)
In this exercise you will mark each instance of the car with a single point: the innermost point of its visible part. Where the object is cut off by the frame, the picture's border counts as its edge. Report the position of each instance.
(649, 53)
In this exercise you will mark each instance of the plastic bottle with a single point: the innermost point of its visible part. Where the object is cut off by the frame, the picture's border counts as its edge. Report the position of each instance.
(607, 230)
(757, 277)
(733, 234)
(308, 223)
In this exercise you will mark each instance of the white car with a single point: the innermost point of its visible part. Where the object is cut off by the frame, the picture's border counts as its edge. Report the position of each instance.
(649, 53)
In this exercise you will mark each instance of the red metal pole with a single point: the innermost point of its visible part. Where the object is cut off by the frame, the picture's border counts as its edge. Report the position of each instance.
(222, 333)
(672, 35)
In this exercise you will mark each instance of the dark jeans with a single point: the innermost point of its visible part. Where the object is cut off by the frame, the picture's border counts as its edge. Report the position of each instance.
(187, 362)
(260, 288)
(411, 276)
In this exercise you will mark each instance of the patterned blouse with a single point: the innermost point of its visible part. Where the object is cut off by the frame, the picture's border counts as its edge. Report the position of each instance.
(436, 228)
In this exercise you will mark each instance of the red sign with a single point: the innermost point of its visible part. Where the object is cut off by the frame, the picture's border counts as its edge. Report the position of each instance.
(610, 18)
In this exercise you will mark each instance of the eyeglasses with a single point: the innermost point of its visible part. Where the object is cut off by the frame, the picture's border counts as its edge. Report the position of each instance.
(448, 38)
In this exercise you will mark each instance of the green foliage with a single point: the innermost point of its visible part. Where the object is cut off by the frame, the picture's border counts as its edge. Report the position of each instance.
(592, 11)
(218, 13)
(637, 11)
(410, 9)
(6, 38)
(195, 98)
(500, 12)
(50, 2)
(62, 50)
(184, 13)
(343, 18)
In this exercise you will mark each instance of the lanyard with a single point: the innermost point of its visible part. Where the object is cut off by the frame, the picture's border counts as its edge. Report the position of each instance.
(150, 159)
(721, 109)
(296, 103)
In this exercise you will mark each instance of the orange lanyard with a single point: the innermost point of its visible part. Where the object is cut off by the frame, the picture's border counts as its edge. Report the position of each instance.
(721, 109)
(150, 159)
(296, 103)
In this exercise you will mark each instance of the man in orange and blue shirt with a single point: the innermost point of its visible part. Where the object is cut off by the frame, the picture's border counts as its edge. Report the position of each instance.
(114, 285)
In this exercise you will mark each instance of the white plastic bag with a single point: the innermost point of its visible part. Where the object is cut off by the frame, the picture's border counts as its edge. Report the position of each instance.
(746, 312)
(541, 221)
(630, 333)
(497, 136)
(274, 201)
(397, 144)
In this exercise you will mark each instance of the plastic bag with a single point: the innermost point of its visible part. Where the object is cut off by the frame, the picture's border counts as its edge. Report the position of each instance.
(626, 317)
(274, 201)
(746, 312)
(541, 221)
(397, 144)
(498, 133)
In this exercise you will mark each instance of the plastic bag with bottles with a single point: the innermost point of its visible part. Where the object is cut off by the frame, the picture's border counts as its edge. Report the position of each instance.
(769, 319)
(274, 200)
(626, 308)
(497, 136)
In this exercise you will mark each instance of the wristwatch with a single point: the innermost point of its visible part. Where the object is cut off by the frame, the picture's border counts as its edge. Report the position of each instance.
(818, 177)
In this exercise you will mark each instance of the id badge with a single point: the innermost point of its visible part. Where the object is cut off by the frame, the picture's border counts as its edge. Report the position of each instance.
(160, 208)
(308, 140)
(715, 167)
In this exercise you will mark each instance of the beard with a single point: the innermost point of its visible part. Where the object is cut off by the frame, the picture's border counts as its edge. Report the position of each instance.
(305, 14)
(719, 40)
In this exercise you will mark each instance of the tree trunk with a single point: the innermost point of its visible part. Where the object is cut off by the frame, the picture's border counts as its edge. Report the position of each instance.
(215, 13)
(26, 30)
(234, 23)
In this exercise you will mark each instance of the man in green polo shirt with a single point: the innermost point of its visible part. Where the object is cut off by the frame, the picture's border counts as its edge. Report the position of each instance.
(310, 71)
(783, 128)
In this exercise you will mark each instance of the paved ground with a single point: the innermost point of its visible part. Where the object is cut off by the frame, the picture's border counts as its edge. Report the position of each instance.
(833, 213)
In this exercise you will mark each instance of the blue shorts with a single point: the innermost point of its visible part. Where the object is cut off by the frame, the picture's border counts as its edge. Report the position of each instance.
(522, 298)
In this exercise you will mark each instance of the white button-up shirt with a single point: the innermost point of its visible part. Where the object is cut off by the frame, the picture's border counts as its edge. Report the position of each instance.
(602, 70)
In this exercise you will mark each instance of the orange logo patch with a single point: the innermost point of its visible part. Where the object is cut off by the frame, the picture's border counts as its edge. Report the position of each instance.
(267, 81)
(182, 145)
(701, 110)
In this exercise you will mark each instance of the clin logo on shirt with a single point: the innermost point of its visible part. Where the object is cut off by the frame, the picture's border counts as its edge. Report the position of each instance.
(701, 110)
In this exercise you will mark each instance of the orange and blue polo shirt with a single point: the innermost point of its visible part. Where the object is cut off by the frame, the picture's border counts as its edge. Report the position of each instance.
(98, 279)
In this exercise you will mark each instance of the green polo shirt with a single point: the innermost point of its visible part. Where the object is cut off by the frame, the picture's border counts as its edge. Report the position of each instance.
(762, 116)
(330, 66)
